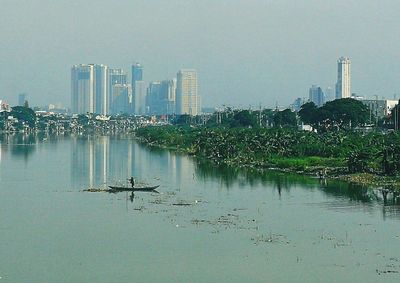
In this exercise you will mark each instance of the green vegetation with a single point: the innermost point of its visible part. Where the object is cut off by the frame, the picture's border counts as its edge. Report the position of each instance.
(283, 148)
(339, 114)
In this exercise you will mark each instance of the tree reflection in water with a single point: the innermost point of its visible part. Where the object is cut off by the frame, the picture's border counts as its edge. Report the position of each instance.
(282, 181)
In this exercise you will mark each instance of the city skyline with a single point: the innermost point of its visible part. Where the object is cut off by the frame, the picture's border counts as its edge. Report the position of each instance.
(97, 88)
(268, 56)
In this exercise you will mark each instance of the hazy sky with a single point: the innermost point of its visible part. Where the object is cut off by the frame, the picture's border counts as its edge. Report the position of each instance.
(245, 51)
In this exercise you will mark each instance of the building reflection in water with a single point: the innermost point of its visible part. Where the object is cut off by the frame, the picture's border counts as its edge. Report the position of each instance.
(18, 145)
(97, 161)
(89, 162)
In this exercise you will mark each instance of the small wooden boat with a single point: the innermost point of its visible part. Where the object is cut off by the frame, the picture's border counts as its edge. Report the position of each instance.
(133, 189)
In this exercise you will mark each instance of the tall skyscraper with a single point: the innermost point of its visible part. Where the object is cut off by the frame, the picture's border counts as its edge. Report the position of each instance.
(343, 85)
(316, 95)
(116, 77)
(22, 97)
(168, 95)
(89, 89)
(161, 97)
(102, 99)
(137, 72)
(154, 102)
(138, 89)
(82, 89)
(329, 94)
(139, 98)
(121, 99)
(187, 99)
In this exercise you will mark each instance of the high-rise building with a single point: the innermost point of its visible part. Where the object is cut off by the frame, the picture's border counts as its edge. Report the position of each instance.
(139, 98)
(329, 94)
(343, 85)
(137, 73)
(138, 90)
(121, 99)
(168, 95)
(116, 77)
(316, 95)
(22, 97)
(154, 102)
(187, 99)
(102, 99)
(161, 97)
(89, 89)
(82, 89)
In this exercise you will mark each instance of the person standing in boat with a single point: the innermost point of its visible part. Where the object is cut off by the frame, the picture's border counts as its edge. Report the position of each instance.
(132, 181)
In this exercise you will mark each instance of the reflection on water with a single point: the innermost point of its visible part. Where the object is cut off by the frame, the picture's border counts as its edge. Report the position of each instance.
(261, 225)
(97, 161)
(100, 160)
(342, 195)
(24, 145)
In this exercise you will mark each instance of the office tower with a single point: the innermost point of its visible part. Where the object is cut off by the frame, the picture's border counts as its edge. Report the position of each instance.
(137, 72)
(139, 98)
(329, 94)
(138, 89)
(161, 97)
(122, 98)
(168, 95)
(115, 77)
(343, 85)
(316, 95)
(89, 89)
(187, 99)
(101, 90)
(298, 102)
(154, 101)
(82, 89)
(22, 97)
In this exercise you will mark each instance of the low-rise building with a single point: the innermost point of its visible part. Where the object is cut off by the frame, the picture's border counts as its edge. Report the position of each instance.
(380, 108)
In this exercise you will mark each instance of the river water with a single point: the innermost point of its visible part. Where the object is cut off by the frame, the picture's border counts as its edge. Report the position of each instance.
(207, 224)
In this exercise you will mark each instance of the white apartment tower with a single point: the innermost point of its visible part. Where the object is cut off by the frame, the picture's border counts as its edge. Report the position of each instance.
(187, 99)
(82, 89)
(343, 85)
(89, 89)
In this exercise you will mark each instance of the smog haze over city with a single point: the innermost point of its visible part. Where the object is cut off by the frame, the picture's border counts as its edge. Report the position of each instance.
(245, 52)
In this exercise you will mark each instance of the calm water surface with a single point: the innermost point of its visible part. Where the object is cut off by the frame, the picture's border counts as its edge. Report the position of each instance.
(207, 224)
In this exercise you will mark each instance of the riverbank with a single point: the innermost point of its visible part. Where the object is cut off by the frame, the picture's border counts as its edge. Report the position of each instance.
(353, 157)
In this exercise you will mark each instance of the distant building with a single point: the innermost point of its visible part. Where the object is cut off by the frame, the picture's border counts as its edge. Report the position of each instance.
(121, 99)
(137, 73)
(138, 90)
(316, 95)
(356, 96)
(298, 103)
(116, 77)
(188, 101)
(161, 97)
(154, 102)
(329, 94)
(102, 99)
(139, 98)
(22, 97)
(380, 108)
(4, 106)
(168, 96)
(343, 85)
(89, 89)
